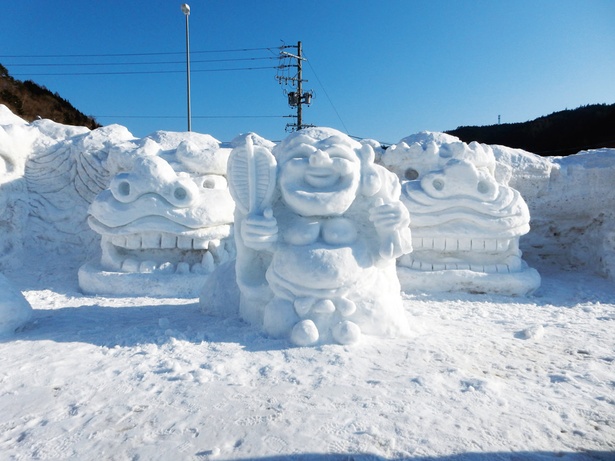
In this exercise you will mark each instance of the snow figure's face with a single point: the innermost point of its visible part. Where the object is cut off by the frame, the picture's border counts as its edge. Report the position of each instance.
(320, 178)
(154, 219)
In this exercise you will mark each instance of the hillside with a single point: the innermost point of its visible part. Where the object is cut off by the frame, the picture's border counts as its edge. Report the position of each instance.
(31, 101)
(560, 133)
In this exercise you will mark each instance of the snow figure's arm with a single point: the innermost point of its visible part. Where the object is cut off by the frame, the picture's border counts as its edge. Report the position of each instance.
(252, 179)
(390, 217)
(260, 232)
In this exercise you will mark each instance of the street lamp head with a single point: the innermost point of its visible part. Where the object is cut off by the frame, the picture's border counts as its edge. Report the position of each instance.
(186, 9)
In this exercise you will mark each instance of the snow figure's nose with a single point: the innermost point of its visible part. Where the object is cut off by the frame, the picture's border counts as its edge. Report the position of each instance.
(320, 158)
(154, 176)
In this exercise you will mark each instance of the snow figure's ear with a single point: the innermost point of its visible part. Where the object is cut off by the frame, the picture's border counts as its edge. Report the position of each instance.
(370, 180)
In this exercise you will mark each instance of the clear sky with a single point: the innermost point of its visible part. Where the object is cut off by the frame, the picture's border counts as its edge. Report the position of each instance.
(379, 69)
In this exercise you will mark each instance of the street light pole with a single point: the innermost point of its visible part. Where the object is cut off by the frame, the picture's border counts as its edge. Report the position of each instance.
(186, 11)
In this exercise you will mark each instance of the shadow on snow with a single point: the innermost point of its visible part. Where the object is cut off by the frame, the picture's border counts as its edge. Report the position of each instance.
(517, 456)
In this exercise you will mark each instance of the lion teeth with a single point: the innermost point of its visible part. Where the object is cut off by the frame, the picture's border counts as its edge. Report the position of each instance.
(208, 263)
(168, 241)
(130, 265)
(119, 241)
(183, 268)
(151, 240)
(164, 241)
(133, 242)
(166, 268)
(147, 267)
(200, 244)
(449, 244)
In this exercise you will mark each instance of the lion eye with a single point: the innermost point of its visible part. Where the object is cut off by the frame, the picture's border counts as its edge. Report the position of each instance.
(411, 174)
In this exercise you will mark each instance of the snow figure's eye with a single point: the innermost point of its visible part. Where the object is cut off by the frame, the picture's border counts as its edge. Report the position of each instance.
(124, 188)
(483, 187)
(411, 174)
(180, 193)
(438, 184)
(212, 182)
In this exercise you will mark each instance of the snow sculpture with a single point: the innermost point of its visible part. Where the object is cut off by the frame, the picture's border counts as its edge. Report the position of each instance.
(319, 228)
(465, 225)
(165, 220)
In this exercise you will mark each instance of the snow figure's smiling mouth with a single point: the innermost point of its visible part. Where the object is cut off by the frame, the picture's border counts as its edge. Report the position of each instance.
(321, 178)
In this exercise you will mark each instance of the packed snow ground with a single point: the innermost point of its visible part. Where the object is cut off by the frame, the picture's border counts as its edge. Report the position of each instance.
(482, 377)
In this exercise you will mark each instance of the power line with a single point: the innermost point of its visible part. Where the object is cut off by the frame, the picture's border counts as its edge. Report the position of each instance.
(131, 54)
(327, 95)
(141, 72)
(194, 116)
(137, 63)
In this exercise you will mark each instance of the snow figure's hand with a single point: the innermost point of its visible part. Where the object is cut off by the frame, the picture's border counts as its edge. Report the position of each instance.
(260, 232)
(392, 222)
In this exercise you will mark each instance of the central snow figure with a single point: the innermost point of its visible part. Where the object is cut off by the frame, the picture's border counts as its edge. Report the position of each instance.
(319, 228)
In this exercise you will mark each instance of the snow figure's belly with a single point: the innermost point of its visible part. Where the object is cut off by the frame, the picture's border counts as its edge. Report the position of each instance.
(317, 269)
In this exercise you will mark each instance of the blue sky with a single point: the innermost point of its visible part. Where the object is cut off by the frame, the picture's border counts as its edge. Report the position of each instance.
(379, 69)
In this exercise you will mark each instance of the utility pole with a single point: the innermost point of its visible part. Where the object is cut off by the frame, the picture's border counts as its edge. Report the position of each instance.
(296, 98)
(186, 10)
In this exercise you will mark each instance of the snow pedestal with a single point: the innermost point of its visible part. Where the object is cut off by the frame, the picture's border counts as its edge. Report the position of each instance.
(319, 226)
(165, 221)
(465, 225)
(15, 311)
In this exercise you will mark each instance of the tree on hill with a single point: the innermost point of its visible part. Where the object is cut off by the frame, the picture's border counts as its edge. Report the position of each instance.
(560, 133)
(30, 101)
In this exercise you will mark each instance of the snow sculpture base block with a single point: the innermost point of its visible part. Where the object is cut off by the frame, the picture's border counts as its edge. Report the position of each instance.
(95, 280)
(520, 283)
(319, 227)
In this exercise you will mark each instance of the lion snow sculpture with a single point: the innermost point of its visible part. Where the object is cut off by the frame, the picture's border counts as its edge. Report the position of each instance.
(465, 224)
(165, 220)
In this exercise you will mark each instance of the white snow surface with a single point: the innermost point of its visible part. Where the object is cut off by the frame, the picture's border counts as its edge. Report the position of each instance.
(482, 377)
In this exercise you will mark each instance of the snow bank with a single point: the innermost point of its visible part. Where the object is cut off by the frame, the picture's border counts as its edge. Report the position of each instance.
(572, 206)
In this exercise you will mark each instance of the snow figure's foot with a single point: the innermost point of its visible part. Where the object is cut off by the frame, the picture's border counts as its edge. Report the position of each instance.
(279, 318)
(305, 333)
(345, 306)
(346, 332)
